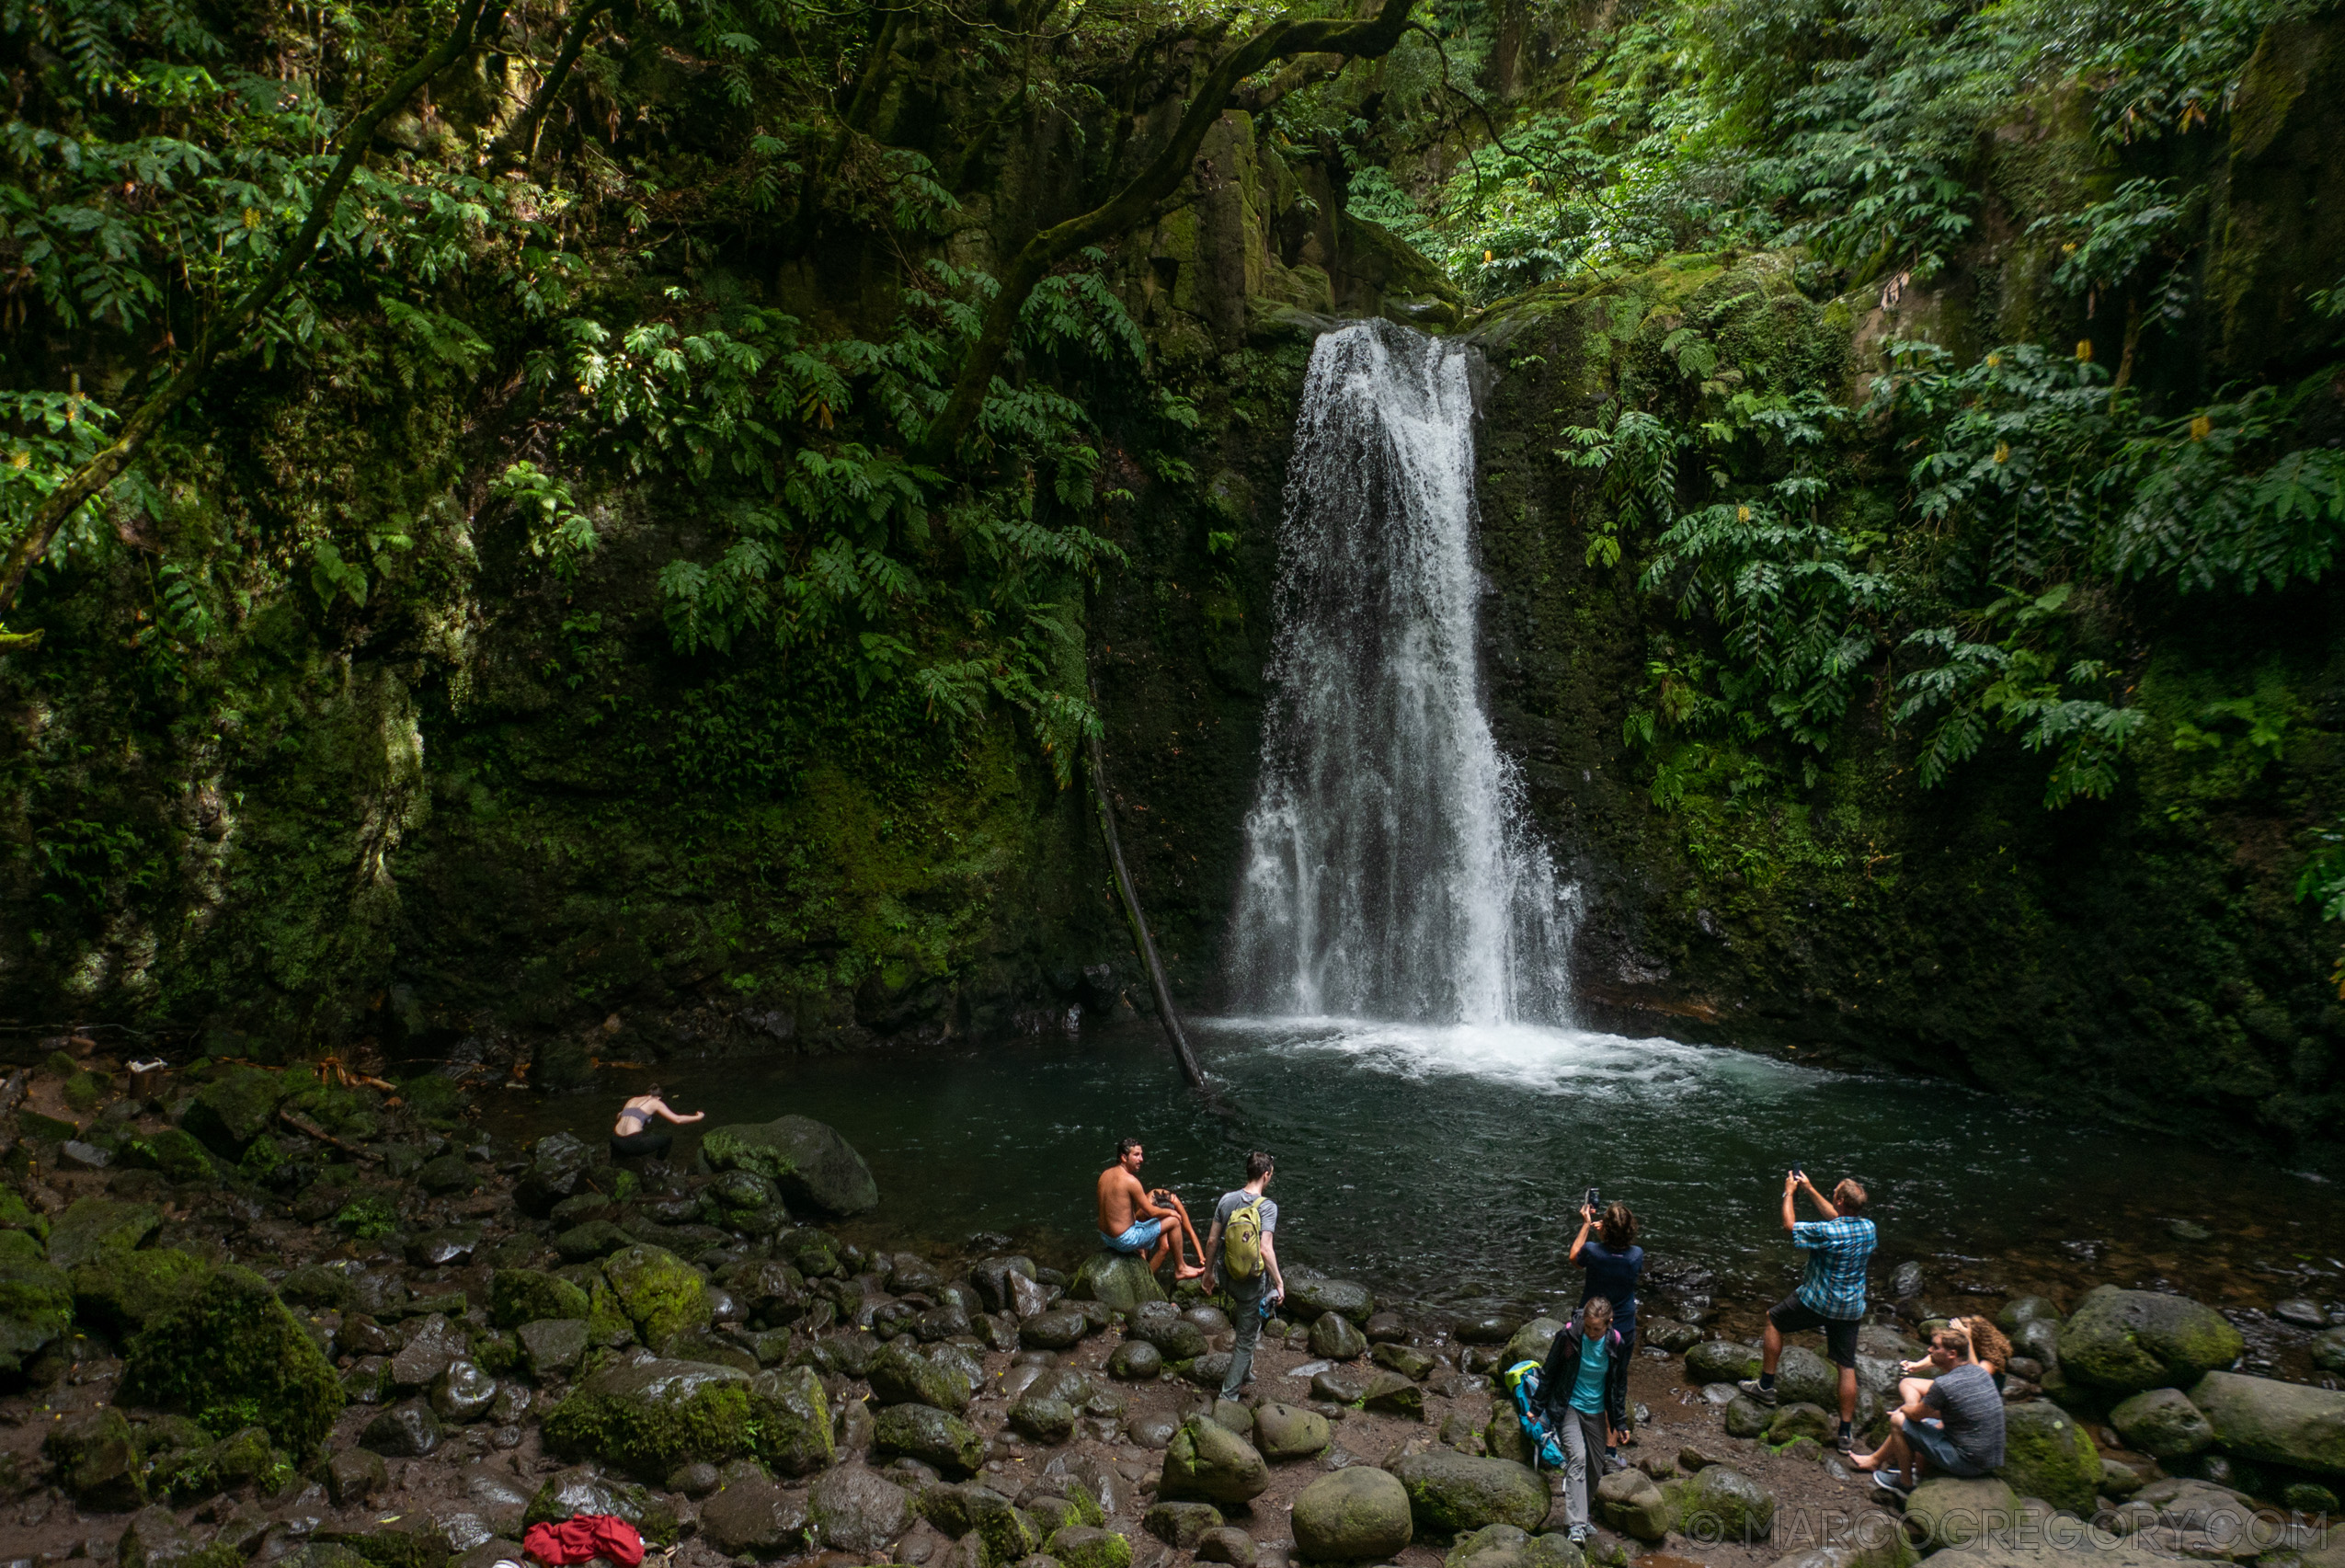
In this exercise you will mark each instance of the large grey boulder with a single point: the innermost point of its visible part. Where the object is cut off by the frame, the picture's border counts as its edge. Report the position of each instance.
(2285, 1424)
(1802, 1377)
(754, 1517)
(2163, 1424)
(1335, 1338)
(1207, 1462)
(1631, 1502)
(813, 1166)
(1449, 1491)
(1357, 1514)
(1720, 1502)
(856, 1509)
(2126, 1340)
(1531, 1341)
(1310, 1298)
(1289, 1432)
(1949, 1512)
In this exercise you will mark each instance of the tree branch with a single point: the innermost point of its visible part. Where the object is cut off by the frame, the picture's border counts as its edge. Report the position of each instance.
(519, 144)
(1282, 40)
(233, 332)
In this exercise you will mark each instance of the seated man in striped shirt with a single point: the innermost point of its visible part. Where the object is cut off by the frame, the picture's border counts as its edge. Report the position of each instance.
(1832, 1295)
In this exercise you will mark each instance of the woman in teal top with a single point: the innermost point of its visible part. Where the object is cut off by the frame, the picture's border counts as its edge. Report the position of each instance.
(1586, 1383)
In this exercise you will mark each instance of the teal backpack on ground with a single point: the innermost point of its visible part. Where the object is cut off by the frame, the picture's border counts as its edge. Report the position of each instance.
(1525, 1379)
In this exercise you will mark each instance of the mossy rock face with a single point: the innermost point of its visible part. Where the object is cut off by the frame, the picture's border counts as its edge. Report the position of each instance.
(518, 1296)
(2047, 1454)
(238, 1460)
(1207, 1462)
(2125, 1339)
(662, 1295)
(652, 1418)
(1722, 1361)
(155, 1538)
(234, 1109)
(36, 1307)
(231, 1356)
(408, 1544)
(121, 1292)
(1357, 1514)
(1949, 1511)
(813, 1166)
(899, 1374)
(95, 1226)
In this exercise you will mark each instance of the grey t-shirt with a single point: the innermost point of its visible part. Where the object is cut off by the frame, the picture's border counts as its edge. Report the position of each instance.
(1242, 1289)
(1972, 1408)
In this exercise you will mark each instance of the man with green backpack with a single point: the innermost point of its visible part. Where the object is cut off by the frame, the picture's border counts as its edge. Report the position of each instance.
(1245, 1265)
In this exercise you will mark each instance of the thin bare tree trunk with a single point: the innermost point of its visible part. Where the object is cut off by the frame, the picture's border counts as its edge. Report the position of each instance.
(1166, 1013)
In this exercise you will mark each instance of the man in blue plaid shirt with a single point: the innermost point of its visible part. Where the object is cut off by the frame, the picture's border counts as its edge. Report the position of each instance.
(1832, 1295)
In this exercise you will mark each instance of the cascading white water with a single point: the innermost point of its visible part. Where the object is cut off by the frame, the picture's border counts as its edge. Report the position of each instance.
(1392, 870)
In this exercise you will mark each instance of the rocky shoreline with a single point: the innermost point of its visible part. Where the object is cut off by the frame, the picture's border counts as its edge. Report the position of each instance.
(285, 1316)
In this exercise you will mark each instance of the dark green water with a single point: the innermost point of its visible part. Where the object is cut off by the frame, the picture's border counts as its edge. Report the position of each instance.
(1441, 1163)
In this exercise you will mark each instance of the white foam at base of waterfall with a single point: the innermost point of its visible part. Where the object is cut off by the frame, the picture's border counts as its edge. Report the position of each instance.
(1392, 870)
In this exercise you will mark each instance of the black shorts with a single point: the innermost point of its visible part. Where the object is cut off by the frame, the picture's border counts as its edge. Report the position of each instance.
(1793, 1315)
(650, 1140)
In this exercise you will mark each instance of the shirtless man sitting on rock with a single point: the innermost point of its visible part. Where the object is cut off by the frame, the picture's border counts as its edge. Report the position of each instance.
(1130, 1221)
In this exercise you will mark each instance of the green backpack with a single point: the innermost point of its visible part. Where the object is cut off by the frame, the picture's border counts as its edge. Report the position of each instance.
(1242, 1242)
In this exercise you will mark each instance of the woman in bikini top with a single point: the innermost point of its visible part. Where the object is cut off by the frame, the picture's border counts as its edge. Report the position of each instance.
(632, 1132)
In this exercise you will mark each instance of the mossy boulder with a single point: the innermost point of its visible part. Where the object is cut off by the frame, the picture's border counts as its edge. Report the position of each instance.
(1178, 1525)
(1718, 1503)
(94, 1226)
(662, 1295)
(899, 1374)
(155, 1538)
(1357, 1514)
(1342, 1297)
(1207, 1462)
(234, 1109)
(2163, 1424)
(856, 1509)
(1119, 1281)
(1503, 1546)
(1289, 1432)
(931, 1436)
(518, 1296)
(97, 1463)
(1088, 1546)
(231, 1356)
(2048, 1454)
(123, 1291)
(812, 1166)
(238, 1460)
(1631, 1502)
(1722, 1361)
(2283, 1424)
(651, 1418)
(36, 1307)
(1531, 1341)
(1449, 1491)
(175, 1153)
(2127, 1339)
(570, 1492)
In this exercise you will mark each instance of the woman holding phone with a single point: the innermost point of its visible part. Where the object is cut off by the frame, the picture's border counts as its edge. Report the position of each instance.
(1607, 1247)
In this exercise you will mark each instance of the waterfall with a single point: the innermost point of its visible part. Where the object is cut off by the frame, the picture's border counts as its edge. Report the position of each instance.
(1391, 871)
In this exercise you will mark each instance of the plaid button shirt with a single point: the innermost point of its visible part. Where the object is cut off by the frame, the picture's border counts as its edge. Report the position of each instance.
(1836, 1252)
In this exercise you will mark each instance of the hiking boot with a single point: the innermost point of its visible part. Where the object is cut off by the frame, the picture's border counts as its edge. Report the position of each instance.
(1846, 1442)
(1758, 1391)
(1583, 1534)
